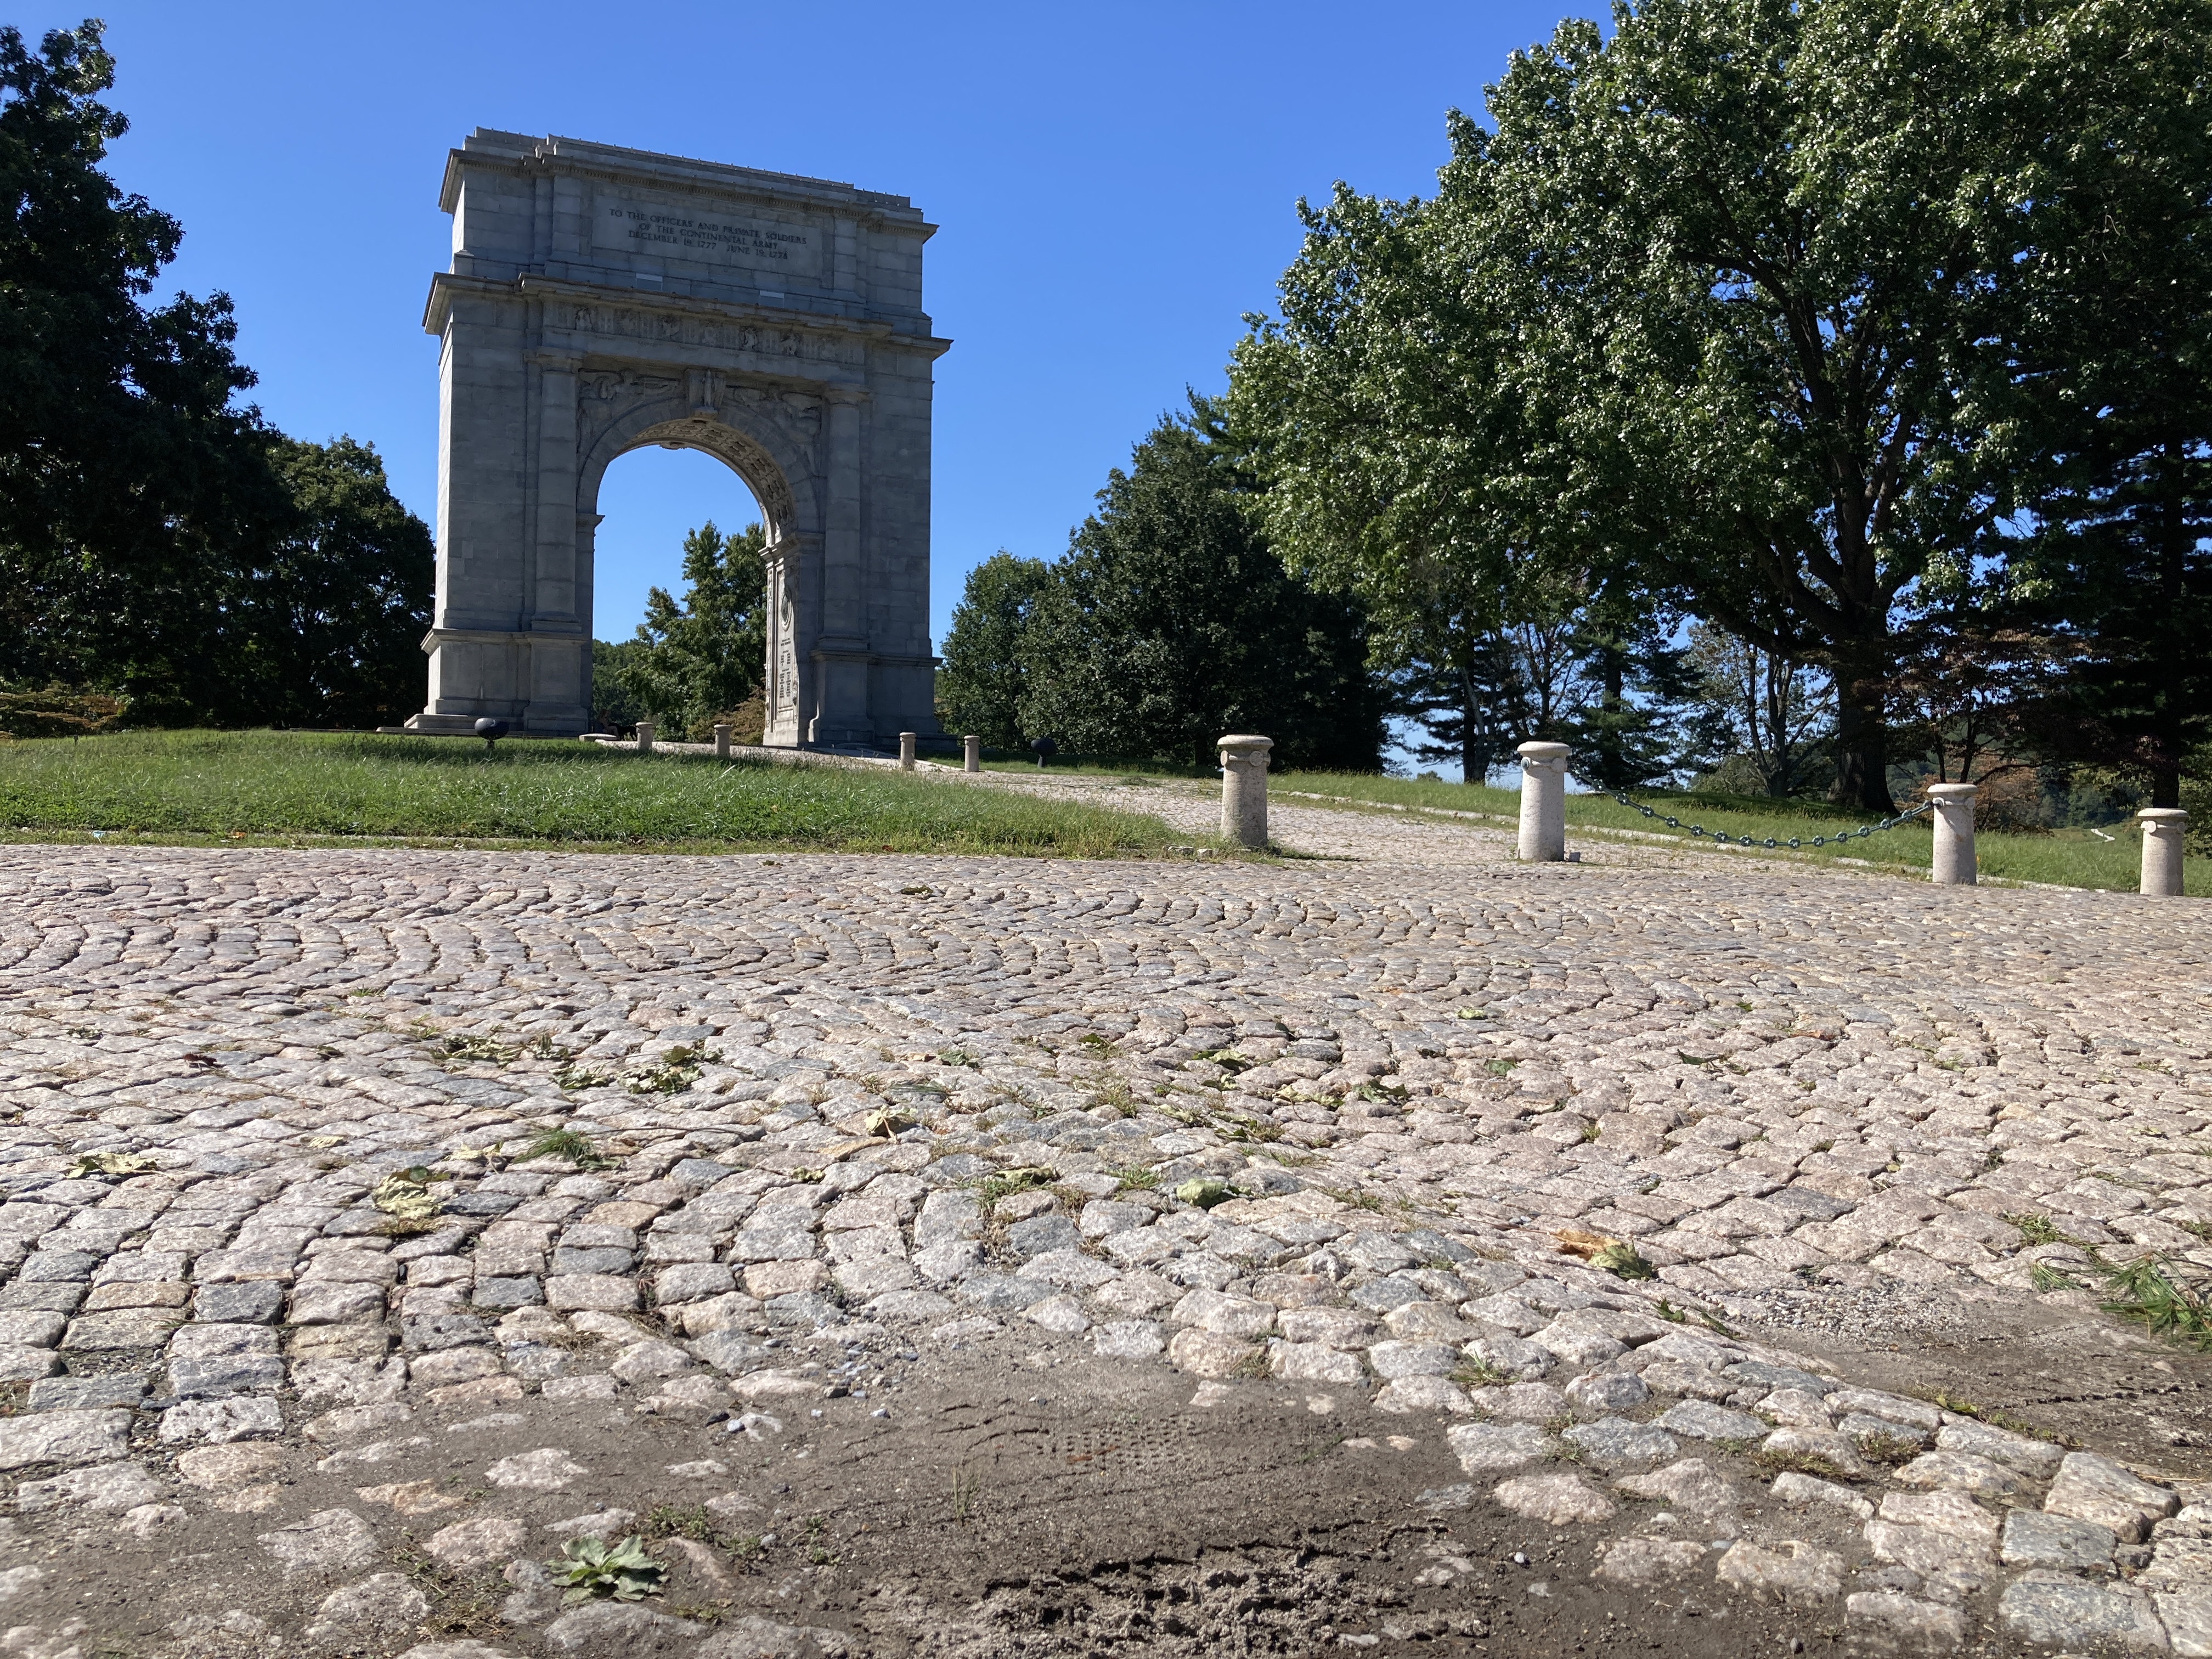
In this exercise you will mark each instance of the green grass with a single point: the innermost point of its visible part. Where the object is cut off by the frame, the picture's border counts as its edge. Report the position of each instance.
(2063, 858)
(256, 786)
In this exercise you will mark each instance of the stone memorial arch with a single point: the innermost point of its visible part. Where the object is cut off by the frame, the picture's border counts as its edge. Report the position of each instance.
(600, 299)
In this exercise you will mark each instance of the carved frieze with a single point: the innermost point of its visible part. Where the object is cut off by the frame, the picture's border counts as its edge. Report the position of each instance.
(679, 328)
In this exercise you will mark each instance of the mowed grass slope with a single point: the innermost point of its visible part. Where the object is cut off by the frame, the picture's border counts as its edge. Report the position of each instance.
(264, 785)
(2064, 857)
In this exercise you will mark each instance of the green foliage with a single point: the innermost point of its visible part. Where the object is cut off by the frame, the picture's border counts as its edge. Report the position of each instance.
(2155, 1294)
(986, 674)
(186, 785)
(1171, 621)
(569, 1144)
(57, 712)
(158, 541)
(1825, 321)
(621, 1570)
(694, 664)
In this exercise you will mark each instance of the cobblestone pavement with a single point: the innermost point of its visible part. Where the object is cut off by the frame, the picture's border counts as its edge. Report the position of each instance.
(307, 1153)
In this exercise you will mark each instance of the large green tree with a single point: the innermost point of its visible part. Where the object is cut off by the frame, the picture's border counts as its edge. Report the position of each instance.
(1755, 305)
(1171, 621)
(986, 674)
(125, 466)
(157, 538)
(2107, 410)
(700, 661)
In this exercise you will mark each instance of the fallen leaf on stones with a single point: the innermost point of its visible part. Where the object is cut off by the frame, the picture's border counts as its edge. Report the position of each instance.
(1204, 1191)
(111, 1163)
(400, 1195)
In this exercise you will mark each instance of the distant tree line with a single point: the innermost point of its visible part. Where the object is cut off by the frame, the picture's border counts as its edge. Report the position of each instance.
(1808, 394)
(166, 555)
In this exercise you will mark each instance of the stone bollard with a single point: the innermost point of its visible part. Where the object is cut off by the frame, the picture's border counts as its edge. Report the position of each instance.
(971, 753)
(645, 737)
(721, 740)
(1244, 789)
(906, 750)
(1543, 802)
(2163, 829)
(1953, 863)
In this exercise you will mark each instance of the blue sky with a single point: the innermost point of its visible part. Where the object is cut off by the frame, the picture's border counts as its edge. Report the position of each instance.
(1114, 185)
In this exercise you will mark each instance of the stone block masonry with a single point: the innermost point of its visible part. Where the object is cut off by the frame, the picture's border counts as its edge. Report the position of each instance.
(600, 299)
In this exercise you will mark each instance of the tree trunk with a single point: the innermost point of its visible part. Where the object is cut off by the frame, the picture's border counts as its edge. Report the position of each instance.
(1611, 767)
(1474, 759)
(1861, 741)
(2166, 743)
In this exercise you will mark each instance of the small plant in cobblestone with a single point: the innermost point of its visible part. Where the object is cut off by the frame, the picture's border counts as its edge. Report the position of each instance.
(679, 1070)
(572, 1077)
(1137, 1176)
(567, 1144)
(546, 1048)
(1802, 1462)
(1115, 1093)
(466, 1048)
(1004, 1184)
(1096, 1044)
(590, 1568)
(1959, 1405)
(1623, 1260)
(1228, 1059)
(1880, 1447)
(2036, 1229)
(2151, 1292)
(958, 1057)
(1480, 1373)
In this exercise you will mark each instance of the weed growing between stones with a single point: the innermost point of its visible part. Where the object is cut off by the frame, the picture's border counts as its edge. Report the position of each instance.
(567, 1144)
(590, 1568)
(2143, 1291)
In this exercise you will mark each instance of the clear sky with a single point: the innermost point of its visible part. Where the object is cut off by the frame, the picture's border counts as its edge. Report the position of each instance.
(1115, 183)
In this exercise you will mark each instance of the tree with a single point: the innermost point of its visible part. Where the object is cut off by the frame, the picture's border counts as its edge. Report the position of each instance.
(322, 618)
(2108, 405)
(1171, 622)
(1769, 308)
(985, 675)
(693, 664)
(125, 469)
(1764, 712)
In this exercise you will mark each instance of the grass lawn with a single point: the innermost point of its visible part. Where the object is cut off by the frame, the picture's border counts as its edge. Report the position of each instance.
(311, 787)
(2065, 858)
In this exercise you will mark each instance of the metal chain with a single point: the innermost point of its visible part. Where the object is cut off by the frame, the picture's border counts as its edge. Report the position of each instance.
(1726, 840)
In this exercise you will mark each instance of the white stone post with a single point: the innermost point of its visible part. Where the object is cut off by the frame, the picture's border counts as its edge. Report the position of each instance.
(1543, 802)
(645, 737)
(1244, 789)
(971, 753)
(906, 750)
(1953, 863)
(721, 740)
(2163, 829)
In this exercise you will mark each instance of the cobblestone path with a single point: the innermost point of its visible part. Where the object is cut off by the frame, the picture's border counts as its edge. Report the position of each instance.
(304, 1153)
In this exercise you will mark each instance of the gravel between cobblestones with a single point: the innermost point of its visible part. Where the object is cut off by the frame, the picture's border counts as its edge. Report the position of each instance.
(312, 1157)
